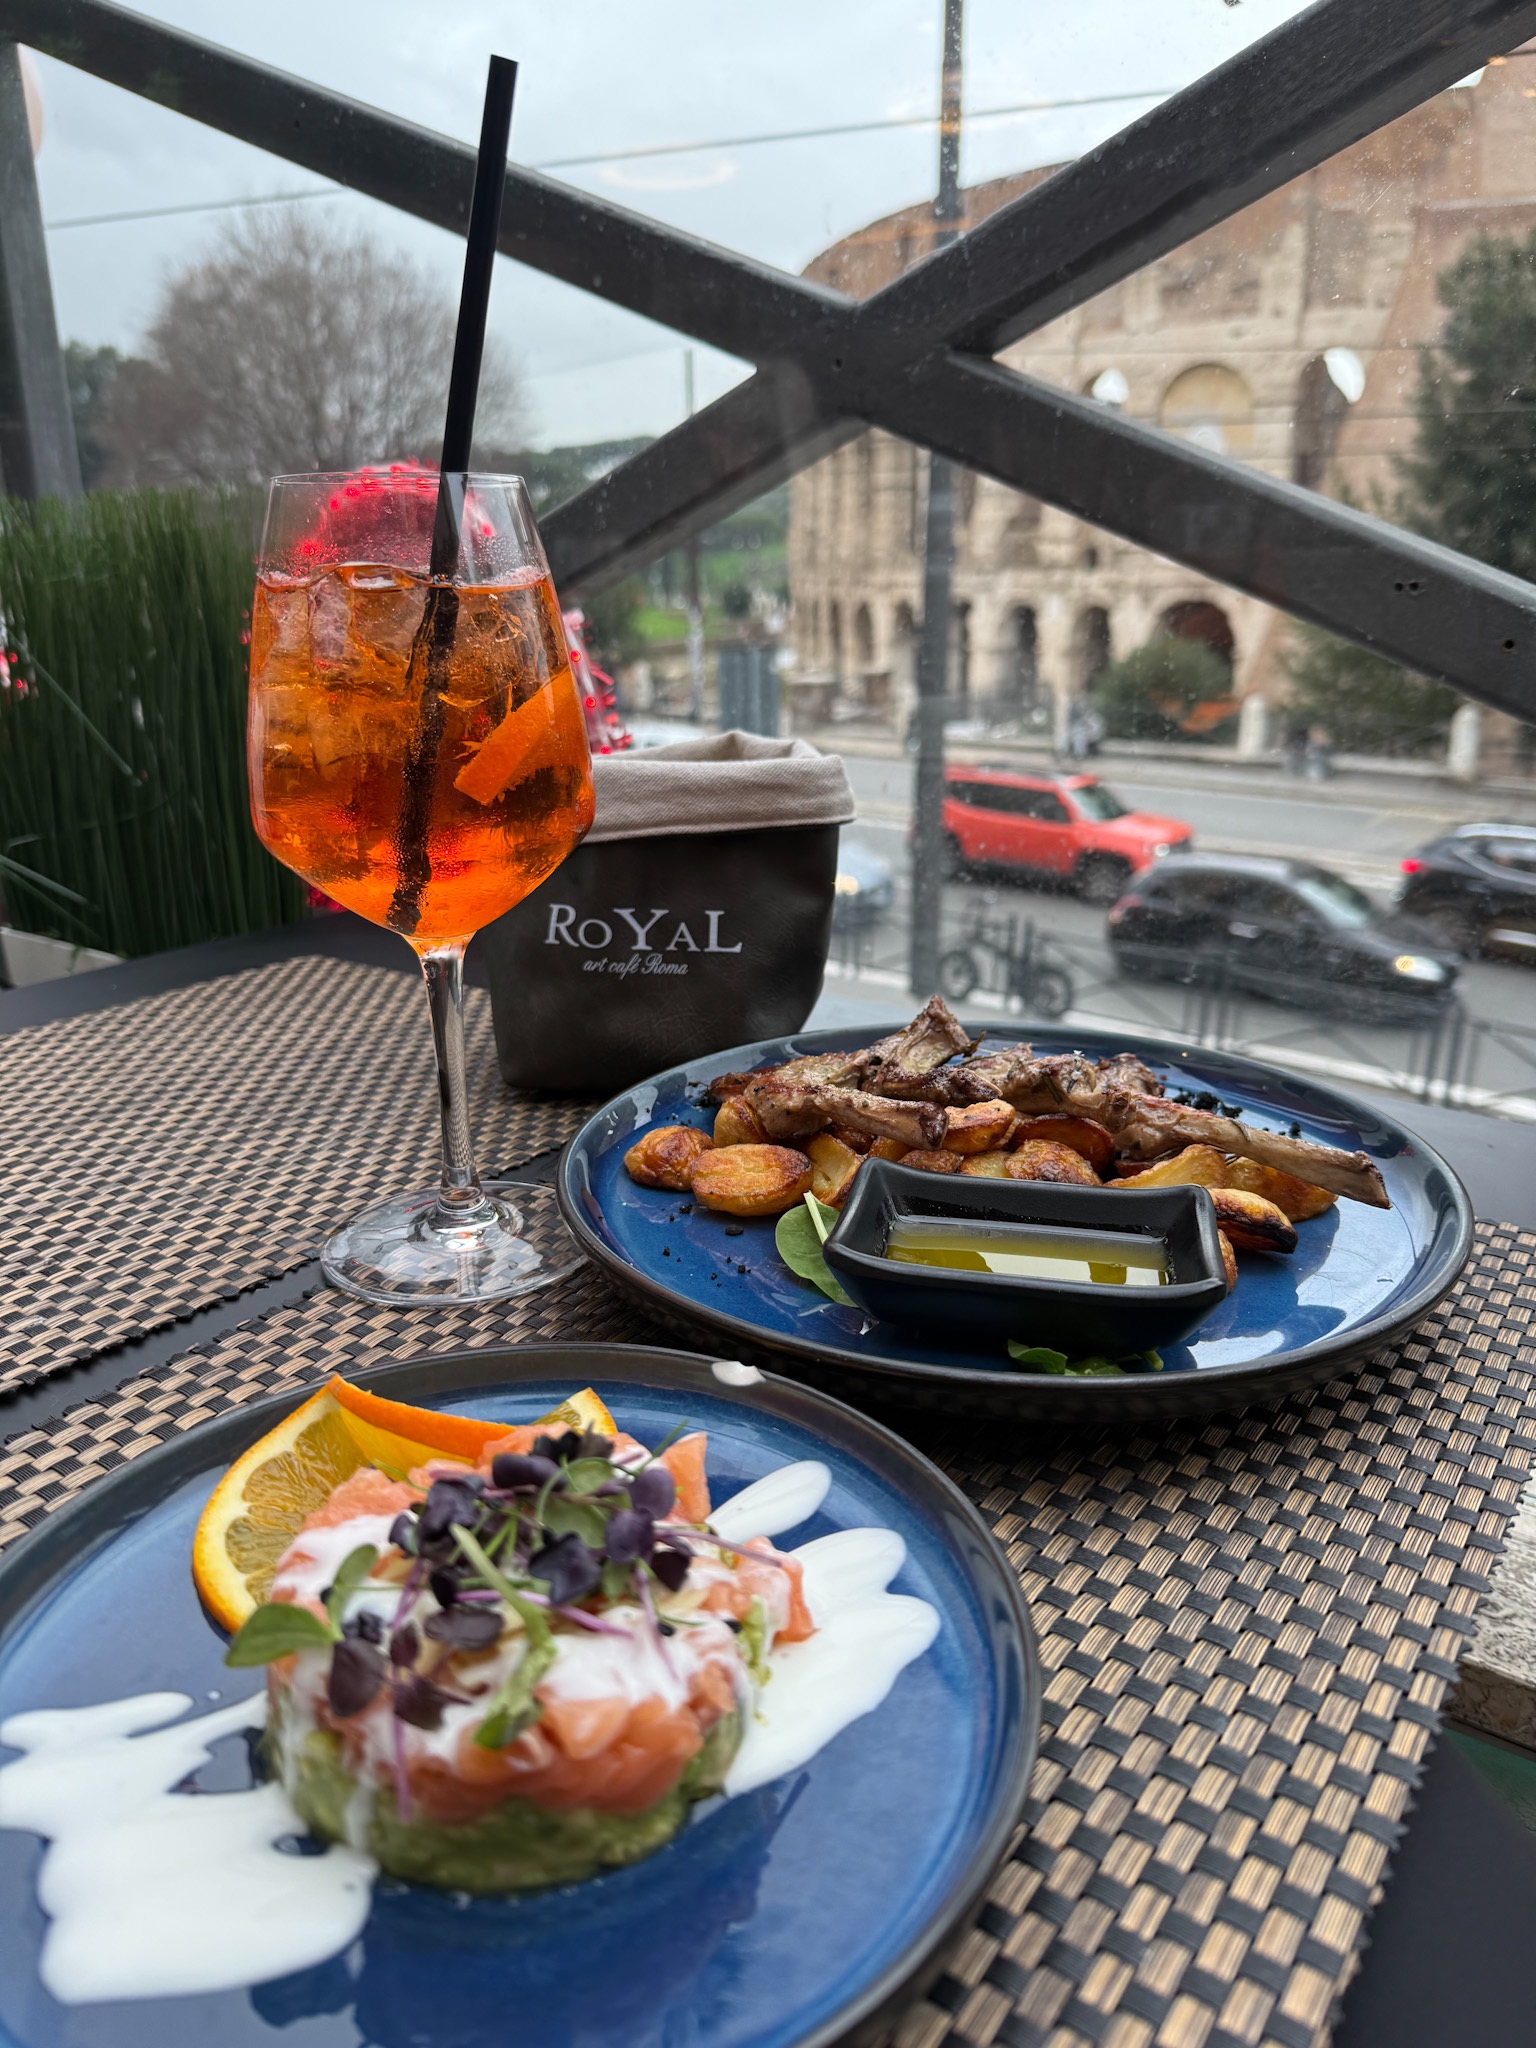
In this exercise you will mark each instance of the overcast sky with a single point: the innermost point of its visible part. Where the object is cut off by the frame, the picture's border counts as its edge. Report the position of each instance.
(601, 76)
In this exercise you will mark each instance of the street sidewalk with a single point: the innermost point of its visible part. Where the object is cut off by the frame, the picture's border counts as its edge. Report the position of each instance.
(1395, 785)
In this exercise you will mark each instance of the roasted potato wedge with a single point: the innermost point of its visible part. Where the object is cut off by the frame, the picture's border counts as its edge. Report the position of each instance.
(736, 1123)
(833, 1166)
(979, 1127)
(751, 1180)
(856, 1141)
(932, 1162)
(1086, 1137)
(1200, 1164)
(1044, 1159)
(1298, 1198)
(889, 1148)
(987, 1165)
(1253, 1224)
(1228, 1259)
(666, 1157)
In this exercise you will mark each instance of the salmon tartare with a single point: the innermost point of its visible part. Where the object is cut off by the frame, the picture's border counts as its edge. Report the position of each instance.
(517, 1673)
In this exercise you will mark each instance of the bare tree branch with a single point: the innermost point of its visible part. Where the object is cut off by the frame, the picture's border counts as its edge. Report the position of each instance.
(294, 346)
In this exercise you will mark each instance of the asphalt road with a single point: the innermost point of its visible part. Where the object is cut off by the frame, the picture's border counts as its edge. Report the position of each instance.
(1496, 1058)
(1362, 837)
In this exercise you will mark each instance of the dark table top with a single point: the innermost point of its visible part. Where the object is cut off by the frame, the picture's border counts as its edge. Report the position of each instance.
(1448, 1959)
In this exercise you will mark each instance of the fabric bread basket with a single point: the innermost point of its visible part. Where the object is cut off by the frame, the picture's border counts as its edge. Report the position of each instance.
(695, 915)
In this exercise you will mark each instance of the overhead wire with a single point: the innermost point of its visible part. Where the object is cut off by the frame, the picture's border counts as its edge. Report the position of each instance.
(648, 150)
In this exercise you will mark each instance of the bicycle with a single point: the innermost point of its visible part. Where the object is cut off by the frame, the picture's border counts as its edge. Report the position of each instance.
(1016, 960)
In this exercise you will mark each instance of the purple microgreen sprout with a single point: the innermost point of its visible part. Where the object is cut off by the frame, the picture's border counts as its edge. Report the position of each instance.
(568, 1567)
(704, 1534)
(631, 1535)
(654, 1490)
(420, 1702)
(514, 1472)
(357, 1672)
(465, 1627)
(533, 1621)
(590, 1622)
(669, 1566)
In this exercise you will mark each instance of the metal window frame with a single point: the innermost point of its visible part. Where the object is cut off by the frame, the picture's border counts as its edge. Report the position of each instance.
(915, 358)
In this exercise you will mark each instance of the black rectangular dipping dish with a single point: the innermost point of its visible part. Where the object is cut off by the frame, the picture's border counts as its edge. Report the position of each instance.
(1081, 1318)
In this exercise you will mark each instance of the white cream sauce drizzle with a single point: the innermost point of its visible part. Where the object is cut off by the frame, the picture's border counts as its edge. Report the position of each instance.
(779, 1501)
(864, 1638)
(152, 1893)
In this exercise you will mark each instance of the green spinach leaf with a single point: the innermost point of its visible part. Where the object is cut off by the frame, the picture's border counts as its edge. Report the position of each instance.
(799, 1235)
(1038, 1358)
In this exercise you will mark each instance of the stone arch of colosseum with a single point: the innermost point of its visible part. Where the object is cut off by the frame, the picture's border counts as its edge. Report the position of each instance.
(1229, 340)
(1212, 406)
(1199, 619)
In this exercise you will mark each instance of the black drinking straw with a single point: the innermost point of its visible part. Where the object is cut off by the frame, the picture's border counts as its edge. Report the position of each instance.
(440, 617)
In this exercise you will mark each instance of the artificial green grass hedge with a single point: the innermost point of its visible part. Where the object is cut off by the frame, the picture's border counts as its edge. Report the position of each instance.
(124, 821)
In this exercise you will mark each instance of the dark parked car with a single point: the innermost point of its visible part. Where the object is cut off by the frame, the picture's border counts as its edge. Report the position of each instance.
(1279, 928)
(865, 886)
(1477, 886)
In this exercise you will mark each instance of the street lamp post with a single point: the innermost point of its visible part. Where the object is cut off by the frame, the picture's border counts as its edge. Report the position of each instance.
(938, 574)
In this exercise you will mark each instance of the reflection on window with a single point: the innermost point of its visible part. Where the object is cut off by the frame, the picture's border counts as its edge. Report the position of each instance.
(1333, 898)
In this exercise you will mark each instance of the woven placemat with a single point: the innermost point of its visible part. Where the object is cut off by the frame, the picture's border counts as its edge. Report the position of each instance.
(1248, 1624)
(170, 1153)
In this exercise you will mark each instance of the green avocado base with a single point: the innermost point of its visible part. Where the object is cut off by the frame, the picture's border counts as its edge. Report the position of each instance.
(516, 1847)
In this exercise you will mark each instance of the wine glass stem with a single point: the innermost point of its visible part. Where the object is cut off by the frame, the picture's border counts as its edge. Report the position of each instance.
(443, 969)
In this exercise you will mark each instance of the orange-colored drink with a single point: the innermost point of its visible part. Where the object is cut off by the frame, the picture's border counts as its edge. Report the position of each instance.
(340, 678)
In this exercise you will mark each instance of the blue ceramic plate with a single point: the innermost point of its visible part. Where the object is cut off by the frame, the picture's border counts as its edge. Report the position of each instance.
(1357, 1279)
(786, 1916)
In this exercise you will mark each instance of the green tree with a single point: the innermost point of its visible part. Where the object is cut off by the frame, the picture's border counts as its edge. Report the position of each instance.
(1365, 703)
(1471, 480)
(91, 374)
(613, 623)
(1149, 693)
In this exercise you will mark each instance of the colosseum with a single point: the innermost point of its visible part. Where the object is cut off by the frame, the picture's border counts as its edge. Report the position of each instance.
(1289, 337)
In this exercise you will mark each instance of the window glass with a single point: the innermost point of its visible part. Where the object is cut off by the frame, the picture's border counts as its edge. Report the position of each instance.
(1518, 856)
(1011, 802)
(1334, 899)
(1265, 900)
(1198, 889)
(1094, 801)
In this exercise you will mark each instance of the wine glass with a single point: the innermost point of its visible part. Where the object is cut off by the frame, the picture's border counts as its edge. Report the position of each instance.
(417, 750)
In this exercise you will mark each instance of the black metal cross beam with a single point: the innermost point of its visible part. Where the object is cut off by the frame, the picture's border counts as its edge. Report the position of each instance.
(912, 357)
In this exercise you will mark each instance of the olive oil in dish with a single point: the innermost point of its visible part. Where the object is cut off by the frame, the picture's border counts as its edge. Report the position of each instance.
(1098, 1258)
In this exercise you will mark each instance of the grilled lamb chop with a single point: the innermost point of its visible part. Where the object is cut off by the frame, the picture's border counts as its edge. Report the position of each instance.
(789, 1108)
(1144, 1123)
(1145, 1127)
(902, 1064)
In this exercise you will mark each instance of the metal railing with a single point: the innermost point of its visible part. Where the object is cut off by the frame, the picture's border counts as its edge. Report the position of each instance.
(916, 357)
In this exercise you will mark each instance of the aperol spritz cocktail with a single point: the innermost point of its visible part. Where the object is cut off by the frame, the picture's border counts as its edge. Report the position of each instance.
(417, 750)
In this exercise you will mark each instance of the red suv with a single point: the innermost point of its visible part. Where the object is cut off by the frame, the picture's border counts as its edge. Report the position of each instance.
(1063, 825)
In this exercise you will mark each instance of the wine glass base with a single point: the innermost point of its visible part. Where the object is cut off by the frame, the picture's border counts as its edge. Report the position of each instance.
(400, 1254)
